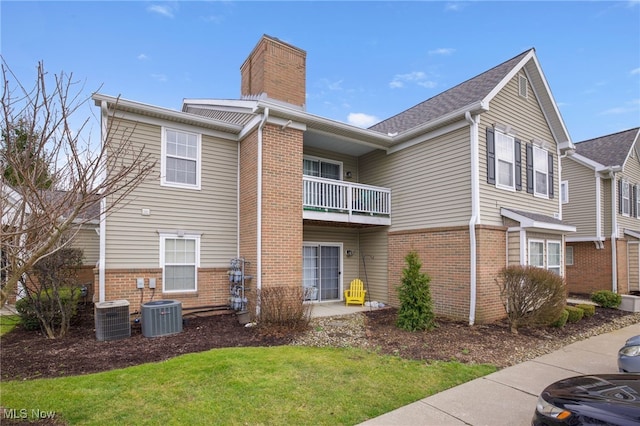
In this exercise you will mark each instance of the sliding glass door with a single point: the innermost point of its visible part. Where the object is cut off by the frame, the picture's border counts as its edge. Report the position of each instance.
(321, 271)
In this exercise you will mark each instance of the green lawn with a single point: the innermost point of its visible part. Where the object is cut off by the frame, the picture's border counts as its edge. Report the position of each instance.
(283, 385)
(8, 322)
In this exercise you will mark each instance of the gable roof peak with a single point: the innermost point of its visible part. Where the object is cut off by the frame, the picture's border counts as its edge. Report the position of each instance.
(609, 150)
(467, 93)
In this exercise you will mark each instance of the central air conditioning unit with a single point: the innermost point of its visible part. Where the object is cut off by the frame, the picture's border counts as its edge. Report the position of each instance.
(161, 318)
(112, 320)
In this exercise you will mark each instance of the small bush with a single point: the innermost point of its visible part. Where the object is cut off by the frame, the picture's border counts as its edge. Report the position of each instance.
(589, 310)
(284, 307)
(606, 298)
(48, 305)
(416, 307)
(531, 296)
(575, 314)
(562, 320)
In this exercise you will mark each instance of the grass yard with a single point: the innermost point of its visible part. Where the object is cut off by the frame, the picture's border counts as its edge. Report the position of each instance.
(8, 322)
(242, 386)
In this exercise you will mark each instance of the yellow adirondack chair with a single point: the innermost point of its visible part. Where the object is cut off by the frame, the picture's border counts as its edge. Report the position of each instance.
(356, 293)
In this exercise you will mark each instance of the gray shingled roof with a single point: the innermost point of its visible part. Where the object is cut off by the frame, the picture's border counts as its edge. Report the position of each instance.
(467, 93)
(609, 150)
(538, 217)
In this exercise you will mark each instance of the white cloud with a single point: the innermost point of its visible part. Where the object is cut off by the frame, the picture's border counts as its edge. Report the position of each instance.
(636, 70)
(631, 106)
(159, 77)
(442, 51)
(361, 119)
(142, 57)
(416, 77)
(161, 10)
(331, 85)
(453, 7)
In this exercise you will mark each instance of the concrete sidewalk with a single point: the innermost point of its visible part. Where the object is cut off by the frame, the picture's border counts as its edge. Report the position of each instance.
(508, 397)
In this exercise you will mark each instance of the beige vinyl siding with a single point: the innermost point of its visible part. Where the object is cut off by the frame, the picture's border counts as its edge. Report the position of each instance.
(633, 257)
(132, 238)
(580, 211)
(430, 182)
(88, 240)
(513, 248)
(349, 163)
(607, 205)
(526, 118)
(631, 173)
(373, 244)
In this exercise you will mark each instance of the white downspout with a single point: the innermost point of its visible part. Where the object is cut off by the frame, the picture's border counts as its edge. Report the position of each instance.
(475, 213)
(259, 212)
(614, 234)
(598, 208)
(103, 215)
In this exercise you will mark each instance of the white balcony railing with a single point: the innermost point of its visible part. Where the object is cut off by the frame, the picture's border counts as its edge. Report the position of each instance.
(335, 200)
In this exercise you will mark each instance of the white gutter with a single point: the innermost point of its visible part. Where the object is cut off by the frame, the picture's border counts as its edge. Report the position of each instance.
(259, 212)
(598, 207)
(614, 229)
(475, 213)
(103, 215)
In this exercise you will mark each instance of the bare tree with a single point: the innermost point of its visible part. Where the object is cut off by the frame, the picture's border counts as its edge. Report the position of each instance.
(37, 221)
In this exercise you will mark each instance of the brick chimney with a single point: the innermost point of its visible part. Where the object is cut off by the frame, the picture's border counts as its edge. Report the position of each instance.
(276, 69)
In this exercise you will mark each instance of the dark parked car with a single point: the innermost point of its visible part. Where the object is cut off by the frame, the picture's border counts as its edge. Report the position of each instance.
(629, 356)
(606, 399)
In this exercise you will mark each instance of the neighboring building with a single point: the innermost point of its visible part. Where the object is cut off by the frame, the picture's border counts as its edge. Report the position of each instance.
(469, 179)
(601, 196)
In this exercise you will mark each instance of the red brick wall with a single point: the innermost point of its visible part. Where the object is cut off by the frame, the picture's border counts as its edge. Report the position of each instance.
(591, 269)
(277, 69)
(445, 255)
(623, 266)
(282, 207)
(213, 287)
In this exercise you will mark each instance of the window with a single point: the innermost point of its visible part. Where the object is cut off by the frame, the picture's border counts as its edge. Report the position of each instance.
(505, 160)
(564, 191)
(636, 190)
(554, 257)
(569, 259)
(322, 168)
(536, 253)
(626, 198)
(180, 159)
(522, 86)
(541, 172)
(179, 260)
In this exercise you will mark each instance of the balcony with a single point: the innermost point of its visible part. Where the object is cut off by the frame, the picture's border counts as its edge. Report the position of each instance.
(339, 201)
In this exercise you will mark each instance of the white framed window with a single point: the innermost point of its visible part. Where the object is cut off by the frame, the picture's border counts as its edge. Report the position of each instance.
(536, 253)
(637, 200)
(564, 191)
(181, 161)
(505, 161)
(569, 256)
(319, 167)
(626, 198)
(541, 172)
(179, 260)
(554, 256)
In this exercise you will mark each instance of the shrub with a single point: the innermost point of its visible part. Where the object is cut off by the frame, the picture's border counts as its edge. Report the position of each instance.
(589, 310)
(284, 307)
(51, 305)
(562, 320)
(575, 314)
(606, 298)
(531, 296)
(416, 307)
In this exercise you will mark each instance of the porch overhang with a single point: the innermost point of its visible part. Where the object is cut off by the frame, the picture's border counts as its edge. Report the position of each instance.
(537, 222)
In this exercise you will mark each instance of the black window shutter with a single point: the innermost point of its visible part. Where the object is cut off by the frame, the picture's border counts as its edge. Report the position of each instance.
(551, 191)
(620, 196)
(518, 159)
(634, 201)
(530, 168)
(491, 156)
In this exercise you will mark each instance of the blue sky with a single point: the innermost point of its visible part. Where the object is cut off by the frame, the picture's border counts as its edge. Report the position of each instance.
(366, 61)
